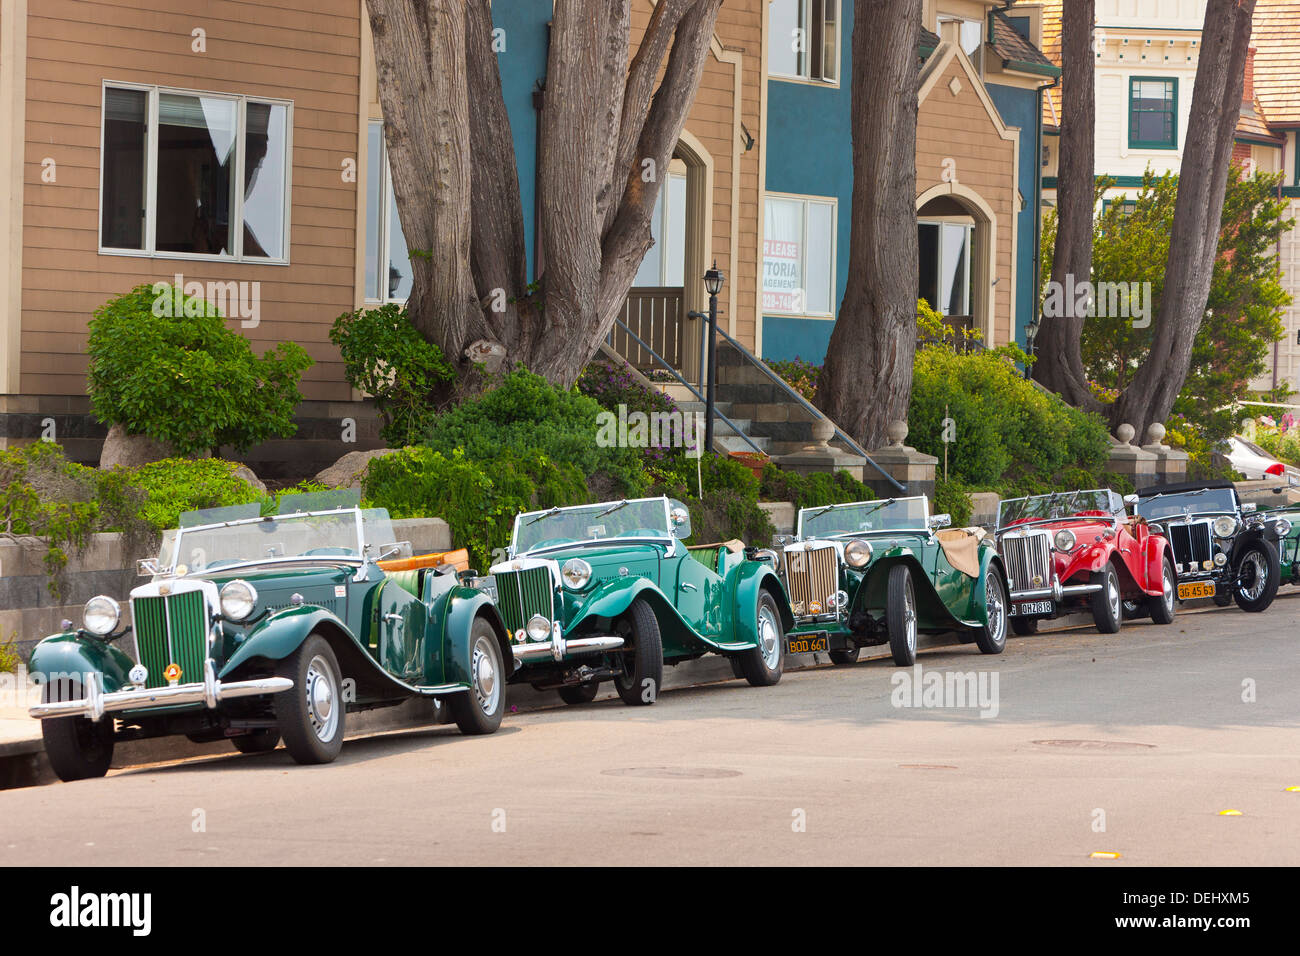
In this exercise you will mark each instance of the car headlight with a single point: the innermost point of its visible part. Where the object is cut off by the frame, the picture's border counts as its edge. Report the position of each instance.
(1220, 559)
(238, 598)
(576, 573)
(1064, 540)
(1224, 526)
(857, 553)
(538, 628)
(1283, 527)
(101, 615)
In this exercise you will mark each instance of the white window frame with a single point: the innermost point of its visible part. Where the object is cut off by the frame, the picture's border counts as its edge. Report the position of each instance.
(385, 195)
(834, 203)
(151, 175)
(967, 254)
(806, 26)
(665, 224)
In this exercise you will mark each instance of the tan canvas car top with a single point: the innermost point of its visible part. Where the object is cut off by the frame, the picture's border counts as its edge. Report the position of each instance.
(961, 548)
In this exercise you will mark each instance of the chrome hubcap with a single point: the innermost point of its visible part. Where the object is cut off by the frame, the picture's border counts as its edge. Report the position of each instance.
(1254, 572)
(909, 614)
(321, 693)
(1112, 594)
(1168, 584)
(996, 610)
(769, 637)
(487, 690)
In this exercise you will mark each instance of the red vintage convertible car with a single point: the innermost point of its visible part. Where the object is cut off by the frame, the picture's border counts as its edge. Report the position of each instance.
(1079, 550)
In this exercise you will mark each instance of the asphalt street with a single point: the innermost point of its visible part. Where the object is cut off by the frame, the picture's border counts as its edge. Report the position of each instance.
(1130, 744)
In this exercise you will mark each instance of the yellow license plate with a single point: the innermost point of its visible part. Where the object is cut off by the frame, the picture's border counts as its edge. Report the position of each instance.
(1195, 589)
(807, 645)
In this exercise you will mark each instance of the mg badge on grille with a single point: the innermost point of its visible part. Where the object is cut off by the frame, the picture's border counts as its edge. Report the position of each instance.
(814, 607)
(173, 674)
(164, 589)
(138, 675)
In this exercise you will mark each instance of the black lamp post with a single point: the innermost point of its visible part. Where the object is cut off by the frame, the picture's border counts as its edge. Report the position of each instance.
(713, 280)
(1031, 333)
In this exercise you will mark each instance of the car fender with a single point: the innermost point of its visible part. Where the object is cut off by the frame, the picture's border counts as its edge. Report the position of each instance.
(990, 561)
(1154, 557)
(612, 598)
(745, 583)
(932, 613)
(70, 654)
(454, 613)
(1091, 559)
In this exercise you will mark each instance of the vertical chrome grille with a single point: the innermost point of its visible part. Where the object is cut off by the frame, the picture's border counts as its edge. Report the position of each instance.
(1027, 558)
(521, 594)
(811, 576)
(171, 630)
(1192, 544)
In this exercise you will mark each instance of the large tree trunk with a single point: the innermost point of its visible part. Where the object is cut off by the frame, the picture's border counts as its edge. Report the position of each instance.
(1193, 241)
(868, 375)
(608, 130)
(1060, 359)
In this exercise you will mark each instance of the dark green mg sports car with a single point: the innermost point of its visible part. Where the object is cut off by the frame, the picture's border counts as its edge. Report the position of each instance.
(877, 572)
(257, 628)
(608, 592)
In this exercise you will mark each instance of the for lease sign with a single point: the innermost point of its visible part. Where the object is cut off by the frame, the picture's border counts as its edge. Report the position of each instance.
(782, 276)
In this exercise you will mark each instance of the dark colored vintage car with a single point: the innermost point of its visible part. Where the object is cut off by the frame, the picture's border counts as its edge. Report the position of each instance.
(876, 572)
(261, 627)
(1223, 549)
(608, 592)
(1080, 551)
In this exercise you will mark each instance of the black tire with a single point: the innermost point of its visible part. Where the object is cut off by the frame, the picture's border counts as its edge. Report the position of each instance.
(77, 748)
(1163, 608)
(257, 741)
(642, 656)
(1256, 590)
(900, 615)
(1221, 597)
(311, 715)
(764, 664)
(479, 710)
(845, 657)
(1024, 626)
(1105, 603)
(992, 639)
(580, 693)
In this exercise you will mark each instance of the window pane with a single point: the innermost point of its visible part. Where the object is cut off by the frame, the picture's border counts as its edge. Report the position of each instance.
(267, 131)
(830, 44)
(819, 266)
(785, 55)
(675, 233)
(1151, 112)
(782, 255)
(648, 274)
(125, 142)
(953, 274)
(374, 206)
(196, 153)
(399, 259)
(927, 234)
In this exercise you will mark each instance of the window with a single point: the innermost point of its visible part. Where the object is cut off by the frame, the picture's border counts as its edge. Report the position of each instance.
(945, 266)
(388, 263)
(1152, 113)
(799, 256)
(665, 263)
(971, 35)
(805, 42)
(203, 175)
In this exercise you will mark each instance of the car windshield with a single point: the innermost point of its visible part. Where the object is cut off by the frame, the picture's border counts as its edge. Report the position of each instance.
(347, 535)
(1201, 501)
(864, 517)
(1067, 504)
(585, 524)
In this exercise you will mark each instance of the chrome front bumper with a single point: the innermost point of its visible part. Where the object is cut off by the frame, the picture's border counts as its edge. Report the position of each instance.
(558, 648)
(96, 703)
(1057, 592)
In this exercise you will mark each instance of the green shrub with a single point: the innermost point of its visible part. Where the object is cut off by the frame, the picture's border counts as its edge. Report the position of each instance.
(803, 377)
(176, 485)
(1284, 446)
(184, 377)
(952, 498)
(9, 658)
(386, 357)
(811, 491)
(727, 508)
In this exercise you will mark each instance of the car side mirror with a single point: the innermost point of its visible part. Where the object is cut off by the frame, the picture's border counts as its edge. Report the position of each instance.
(940, 521)
(1130, 500)
(1249, 507)
(680, 517)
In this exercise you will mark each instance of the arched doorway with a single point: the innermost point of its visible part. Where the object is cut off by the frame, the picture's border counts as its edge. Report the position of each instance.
(957, 243)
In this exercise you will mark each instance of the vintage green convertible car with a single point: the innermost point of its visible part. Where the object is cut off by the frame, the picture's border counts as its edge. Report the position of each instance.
(609, 592)
(1288, 548)
(876, 572)
(260, 627)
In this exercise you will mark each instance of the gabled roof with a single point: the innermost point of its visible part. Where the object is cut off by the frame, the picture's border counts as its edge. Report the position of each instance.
(1276, 36)
(1016, 52)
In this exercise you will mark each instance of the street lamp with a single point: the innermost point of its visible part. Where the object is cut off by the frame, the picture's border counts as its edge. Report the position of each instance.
(713, 280)
(1031, 333)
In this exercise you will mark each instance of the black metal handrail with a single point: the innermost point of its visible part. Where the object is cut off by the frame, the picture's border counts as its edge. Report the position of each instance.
(778, 381)
(673, 372)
